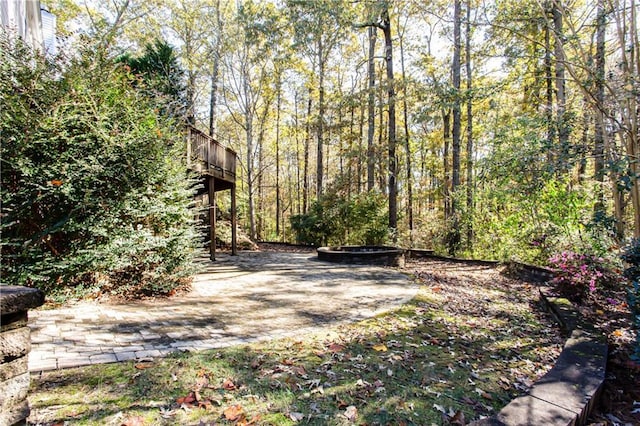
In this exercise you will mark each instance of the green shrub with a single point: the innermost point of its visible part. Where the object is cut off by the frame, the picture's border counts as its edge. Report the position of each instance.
(336, 219)
(94, 188)
(631, 256)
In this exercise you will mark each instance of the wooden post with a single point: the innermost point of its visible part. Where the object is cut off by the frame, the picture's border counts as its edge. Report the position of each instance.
(212, 218)
(234, 246)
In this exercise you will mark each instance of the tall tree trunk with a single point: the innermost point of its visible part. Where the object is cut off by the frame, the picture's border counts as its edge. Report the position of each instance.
(359, 168)
(561, 98)
(598, 148)
(469, 97)
(371, 110)
(297, 165)
(382, 185)
(249, 137)
(305, 167)
(278, 107)
(407, 143)
(548, 110)
(259, 176)
(391, 95)
(446, 190)
(215, 73)
(454, 232)
(320, 129)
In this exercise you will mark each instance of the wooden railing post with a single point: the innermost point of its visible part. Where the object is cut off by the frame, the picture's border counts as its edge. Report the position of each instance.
(234, 245)
(212, 218)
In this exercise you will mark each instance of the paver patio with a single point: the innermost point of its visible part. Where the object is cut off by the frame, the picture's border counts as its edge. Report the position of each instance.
(236, 299)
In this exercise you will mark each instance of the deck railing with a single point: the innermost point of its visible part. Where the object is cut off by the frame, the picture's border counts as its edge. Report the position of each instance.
(206, 155)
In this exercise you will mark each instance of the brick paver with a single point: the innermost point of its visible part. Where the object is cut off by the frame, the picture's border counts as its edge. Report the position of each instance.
(234, 300)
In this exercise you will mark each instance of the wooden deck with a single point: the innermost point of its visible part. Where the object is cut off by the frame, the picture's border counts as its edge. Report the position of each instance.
(208, 157)
(216, 166)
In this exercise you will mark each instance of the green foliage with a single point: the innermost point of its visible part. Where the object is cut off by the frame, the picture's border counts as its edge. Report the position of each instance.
(528, 210)
(337, 219)
(631, 256)
(160, 76)
(95, 194)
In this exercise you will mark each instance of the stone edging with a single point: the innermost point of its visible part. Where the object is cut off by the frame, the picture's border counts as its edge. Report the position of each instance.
(15, 345)
(424, 254)
(567, 394)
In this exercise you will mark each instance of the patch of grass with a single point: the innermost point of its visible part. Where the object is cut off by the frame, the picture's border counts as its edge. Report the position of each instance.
(464, 346)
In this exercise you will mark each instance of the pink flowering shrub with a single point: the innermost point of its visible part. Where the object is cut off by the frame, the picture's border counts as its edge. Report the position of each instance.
(581, 275)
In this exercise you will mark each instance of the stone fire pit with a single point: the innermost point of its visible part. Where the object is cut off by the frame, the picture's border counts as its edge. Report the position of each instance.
(363, 255)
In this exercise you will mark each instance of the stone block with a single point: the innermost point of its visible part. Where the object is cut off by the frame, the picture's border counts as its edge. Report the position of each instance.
(14, 391)
(14, 368)
(531, 411)
(18, 299)
(14, 414)
(13, 320)
(14, 344)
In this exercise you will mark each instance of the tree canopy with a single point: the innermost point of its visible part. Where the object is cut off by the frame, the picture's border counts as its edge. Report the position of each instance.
(501, 129)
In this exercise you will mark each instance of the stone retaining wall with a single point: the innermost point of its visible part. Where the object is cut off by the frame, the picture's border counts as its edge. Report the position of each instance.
(15, 345)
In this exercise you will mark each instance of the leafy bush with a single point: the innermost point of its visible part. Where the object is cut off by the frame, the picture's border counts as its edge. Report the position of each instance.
(581, 275)
(336, 219)
(631, 256)
(94, 189)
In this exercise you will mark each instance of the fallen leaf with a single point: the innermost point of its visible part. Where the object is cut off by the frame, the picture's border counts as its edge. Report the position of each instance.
(189, 399)
(299, 370)
(133, 421)
(228, 384)
(380, 348)
(233, 413)
(440, 408)
(56, 182)
(483, 394)
(167, 413)
(351, 413)
(336, 347)
(143, 365)
(341, 404)
(296, 417)
(458, 419)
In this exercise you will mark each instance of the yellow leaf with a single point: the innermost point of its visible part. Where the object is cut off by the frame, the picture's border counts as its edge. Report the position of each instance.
(599, 312)
(380, 348)
(233, 413)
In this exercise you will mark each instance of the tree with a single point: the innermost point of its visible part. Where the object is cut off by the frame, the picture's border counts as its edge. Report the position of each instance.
(382, 21)
(96, 194)
(162, 75)
(371, 114)
(319, 29)
(469, 98)
(454, 232)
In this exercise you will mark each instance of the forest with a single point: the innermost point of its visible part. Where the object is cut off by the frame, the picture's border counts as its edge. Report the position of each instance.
(501, 129)
(495, 129)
